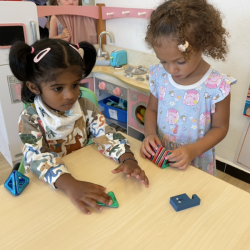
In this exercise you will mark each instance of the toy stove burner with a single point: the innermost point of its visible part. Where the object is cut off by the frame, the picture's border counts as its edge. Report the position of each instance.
(135, 71)
(128, 75)
(140, 78)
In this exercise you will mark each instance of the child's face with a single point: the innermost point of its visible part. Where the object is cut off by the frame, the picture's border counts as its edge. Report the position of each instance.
(173, 61)
(67, 2)
(63, 93)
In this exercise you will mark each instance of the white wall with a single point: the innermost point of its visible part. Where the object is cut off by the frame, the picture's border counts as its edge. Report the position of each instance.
(130, 33)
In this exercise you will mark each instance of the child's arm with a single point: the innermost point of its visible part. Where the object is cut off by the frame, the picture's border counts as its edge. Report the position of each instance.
(220, 123)
(53, 30)
(150, 125)
(50, 168)
(111, 144)
(38, 157)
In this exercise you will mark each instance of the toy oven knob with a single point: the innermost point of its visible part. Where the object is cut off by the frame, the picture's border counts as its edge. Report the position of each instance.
(117, 91)
(102, 86)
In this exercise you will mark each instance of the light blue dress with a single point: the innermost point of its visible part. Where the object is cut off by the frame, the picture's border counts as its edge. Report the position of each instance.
(185, 112)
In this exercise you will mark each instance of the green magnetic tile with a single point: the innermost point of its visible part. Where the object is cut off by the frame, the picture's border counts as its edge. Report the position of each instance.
(113, 198)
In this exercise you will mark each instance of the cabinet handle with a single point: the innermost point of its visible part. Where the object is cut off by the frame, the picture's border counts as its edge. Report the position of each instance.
(110, 14)
(141, 13)
(33, 28)
(125, 12)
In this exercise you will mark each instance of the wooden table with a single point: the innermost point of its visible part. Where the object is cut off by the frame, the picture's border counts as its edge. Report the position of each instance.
(43, 218)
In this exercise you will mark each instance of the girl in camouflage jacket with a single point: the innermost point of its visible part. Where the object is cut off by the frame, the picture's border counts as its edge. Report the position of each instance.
(59, 121)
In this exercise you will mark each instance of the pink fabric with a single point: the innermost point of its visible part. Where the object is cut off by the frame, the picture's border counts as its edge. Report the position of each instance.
(80, 28)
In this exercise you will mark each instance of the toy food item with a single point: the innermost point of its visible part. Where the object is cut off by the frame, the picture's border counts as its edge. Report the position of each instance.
(142, 111)
(139, 116)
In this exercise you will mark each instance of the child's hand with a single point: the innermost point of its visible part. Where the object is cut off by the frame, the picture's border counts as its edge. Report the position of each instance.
(150, 141)
(83, 193)
(131, 168)
(182, 155)
(65, 34)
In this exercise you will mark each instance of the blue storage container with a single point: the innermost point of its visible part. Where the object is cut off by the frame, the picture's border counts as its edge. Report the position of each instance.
(112, 112)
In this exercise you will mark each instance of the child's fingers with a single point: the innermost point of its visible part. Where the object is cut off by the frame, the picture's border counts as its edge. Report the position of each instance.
(144, 178)
(118, 169)
(92, 203)
(178, 164)
(177, 158)
(157, 140)
(145, 152)
(104, 198)
(137, 173)
(128, 172)
(149, 149)
(82, 207)
(183, 167)
(142, 154)
(98, 187)
(174, 153)
(153, 144)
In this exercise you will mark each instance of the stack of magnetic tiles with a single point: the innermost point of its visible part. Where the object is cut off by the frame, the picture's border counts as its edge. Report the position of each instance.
(159, 157)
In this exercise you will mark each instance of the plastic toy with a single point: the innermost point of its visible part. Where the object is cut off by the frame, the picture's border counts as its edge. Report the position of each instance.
(16, 182)
(247, 105)
(140, 117)
(159, 158)
(182, 201)
(140, 113)
(114, 201)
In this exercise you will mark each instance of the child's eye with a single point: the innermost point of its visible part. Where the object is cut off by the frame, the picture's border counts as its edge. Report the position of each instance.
(181, 63)
(162, 62)
(76, 85)
(58, 89)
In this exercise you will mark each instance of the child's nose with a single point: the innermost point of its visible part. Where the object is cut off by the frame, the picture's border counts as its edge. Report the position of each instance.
(172, 69)
(68, 95)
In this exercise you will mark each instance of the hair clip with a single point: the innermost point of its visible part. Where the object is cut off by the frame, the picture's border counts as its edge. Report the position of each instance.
(182, 47)
(80, 51)
(43, 52)
(32, 50)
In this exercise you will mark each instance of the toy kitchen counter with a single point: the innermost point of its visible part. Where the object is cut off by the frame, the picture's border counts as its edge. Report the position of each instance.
(141, 85)
(129, 84)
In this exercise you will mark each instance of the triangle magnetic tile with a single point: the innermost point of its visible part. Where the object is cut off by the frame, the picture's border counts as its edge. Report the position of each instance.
(22, 182)
(10, 183)
(114, 201)
(16, 182)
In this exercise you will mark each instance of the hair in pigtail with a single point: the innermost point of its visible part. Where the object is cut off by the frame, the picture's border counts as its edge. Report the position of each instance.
(89, 57)
(22, 67)
(21, 60)
(46, 59)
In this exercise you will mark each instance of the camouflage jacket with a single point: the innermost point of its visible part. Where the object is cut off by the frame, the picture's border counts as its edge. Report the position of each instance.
(43, 156)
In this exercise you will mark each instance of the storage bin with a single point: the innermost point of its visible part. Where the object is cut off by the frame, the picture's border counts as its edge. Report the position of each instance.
(112, 112)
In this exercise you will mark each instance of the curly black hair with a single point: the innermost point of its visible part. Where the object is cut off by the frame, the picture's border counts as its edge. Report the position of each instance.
(195, 21)
(61, 57)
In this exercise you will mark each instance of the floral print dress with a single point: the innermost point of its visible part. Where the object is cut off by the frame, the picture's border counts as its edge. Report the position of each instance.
(185, 112)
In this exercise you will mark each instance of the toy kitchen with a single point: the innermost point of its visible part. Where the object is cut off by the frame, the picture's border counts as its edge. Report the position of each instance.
(127, 83)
